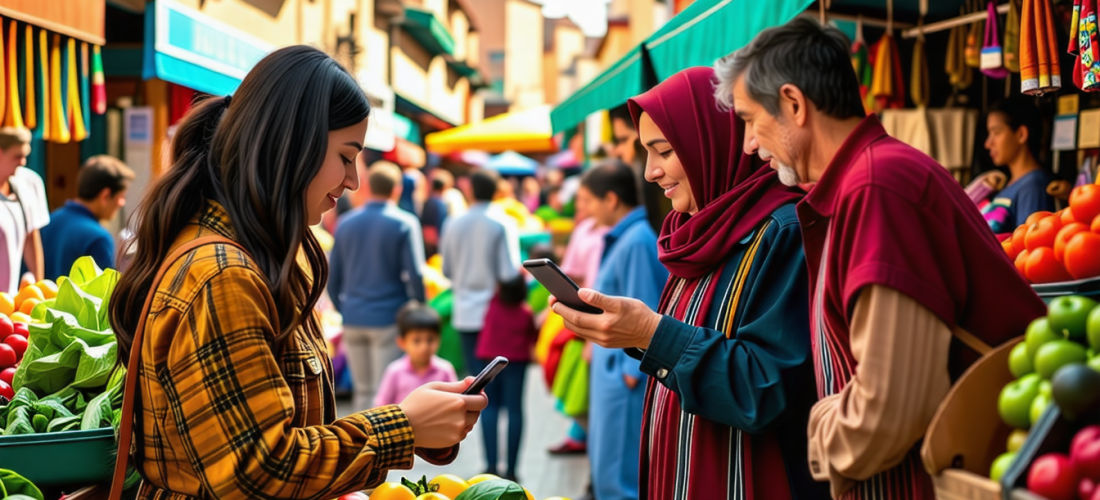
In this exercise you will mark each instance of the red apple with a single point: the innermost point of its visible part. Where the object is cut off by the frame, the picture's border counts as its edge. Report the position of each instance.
(7, 356)
(358, 495)
(17, 342)
(6, 326)
(1053, 476)
(7, 374)
(1084, 452)
(1086, 488)
(21, 329)
(6, 391)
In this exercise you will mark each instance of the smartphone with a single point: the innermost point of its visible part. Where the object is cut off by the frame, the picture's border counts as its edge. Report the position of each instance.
(559, 284)
(487, 375)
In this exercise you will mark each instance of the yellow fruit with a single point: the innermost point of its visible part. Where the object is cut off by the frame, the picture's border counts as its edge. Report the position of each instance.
(28, 305)
(21, 318)
(481, 478)
(25, 282)
(450, 484)
(7, 304)
(27, 293)
(557, 498)
(392, 491)
(529, 495)
(48, 288)
(433, 496)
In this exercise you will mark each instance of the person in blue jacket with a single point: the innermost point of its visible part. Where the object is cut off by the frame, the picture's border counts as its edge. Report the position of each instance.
(629, 268)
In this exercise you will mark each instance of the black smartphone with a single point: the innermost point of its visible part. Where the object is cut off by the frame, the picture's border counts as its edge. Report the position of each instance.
(487, 375)
(559, 284)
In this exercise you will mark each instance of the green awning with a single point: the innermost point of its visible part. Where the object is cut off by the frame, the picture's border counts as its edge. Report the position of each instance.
(461, 67)
(702, 33)
(613, 87)
(428, 31)
(406, 129)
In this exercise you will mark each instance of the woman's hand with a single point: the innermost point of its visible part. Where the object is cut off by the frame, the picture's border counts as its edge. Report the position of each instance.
(440, 415)
(624, 323)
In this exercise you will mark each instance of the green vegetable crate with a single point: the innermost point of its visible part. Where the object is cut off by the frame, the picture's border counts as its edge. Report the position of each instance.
(60, 458)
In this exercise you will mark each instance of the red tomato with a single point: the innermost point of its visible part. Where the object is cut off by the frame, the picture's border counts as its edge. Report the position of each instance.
(6, 391)
(7, 375)
(6, 326)
(1021, 263)
(1095, 225)
(17, 342)
(1043, 266)
(1067, 217)
(1053, 476)
(1042, 233)
(1082, 257)
(1018, 237)
(1009, 250)
(7, 356)
(1084, 201)
(1064, 236)
(1036, 217)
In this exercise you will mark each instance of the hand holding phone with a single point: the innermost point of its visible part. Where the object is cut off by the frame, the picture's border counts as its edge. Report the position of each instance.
(487, 375)
(559, 284)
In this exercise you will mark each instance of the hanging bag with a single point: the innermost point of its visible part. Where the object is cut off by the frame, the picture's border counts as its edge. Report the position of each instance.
(992, 55)
(974, 43)
(1012, 37)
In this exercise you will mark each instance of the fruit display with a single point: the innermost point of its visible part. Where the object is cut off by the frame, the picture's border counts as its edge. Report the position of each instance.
(450, 487)
(1060, 246)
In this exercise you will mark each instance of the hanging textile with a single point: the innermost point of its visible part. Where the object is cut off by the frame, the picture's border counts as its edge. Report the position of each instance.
(59, 120)
(75, 108)
(887, 86)
(13, 113)
(1012, 37)
(30, 112)
(85, 87)
(1083, 43)
(1039, 68)
(42, 81)
(992, 53)
(861, 63)
(919, 87)
(974, 43)
(99, 88)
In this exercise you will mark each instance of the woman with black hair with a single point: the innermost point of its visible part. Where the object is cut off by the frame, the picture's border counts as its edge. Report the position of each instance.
(233, 385)
(1015, 131)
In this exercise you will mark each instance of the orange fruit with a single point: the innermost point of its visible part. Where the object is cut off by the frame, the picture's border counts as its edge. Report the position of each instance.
(1064, 236)
(481, 478)
(1007, 246)
(1067, 216)
(1042, 233)
(450, 484)
(28, 305)
(27, 293)
(433, 496)
(1021, 263)
(1036, 217)
(25, 281)
(1018, 237)
(1043, 266)
(392, 491)
(48, 289)
(1095, 227)
(1084, 201)
(1083, 255)
(7, 304)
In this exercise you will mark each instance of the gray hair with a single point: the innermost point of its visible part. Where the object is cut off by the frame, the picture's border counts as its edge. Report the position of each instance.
(804, 53)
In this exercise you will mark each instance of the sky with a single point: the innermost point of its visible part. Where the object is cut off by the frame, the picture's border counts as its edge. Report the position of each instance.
(589, 15)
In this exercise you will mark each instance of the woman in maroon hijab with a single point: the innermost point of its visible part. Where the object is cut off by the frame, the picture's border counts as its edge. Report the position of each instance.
(729, 353)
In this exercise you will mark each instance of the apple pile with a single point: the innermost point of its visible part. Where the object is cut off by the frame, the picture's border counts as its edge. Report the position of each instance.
(1057, 476)
(12, 346)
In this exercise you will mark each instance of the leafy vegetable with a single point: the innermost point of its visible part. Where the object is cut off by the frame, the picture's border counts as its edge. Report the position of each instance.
(498, 489)
(14, 487)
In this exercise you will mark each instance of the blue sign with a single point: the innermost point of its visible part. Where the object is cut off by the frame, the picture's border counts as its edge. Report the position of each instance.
(189, 48)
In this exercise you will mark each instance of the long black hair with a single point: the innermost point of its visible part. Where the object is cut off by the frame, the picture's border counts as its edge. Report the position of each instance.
(254, 154)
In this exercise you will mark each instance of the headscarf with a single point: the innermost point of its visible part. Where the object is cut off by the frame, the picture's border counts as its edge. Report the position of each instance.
(733, 191)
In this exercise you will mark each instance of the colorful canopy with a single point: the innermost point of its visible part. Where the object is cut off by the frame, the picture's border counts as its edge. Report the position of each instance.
(526, 131)
(512, 163)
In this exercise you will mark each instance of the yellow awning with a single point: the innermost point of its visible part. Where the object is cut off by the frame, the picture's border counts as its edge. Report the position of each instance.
(526, 131)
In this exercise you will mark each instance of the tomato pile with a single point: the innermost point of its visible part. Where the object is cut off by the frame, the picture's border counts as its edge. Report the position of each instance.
(449, 487)
(14, 334)
(1061, 246)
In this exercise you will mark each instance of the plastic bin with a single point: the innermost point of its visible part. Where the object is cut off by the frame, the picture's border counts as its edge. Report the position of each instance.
(61, 458)
(1087, 287)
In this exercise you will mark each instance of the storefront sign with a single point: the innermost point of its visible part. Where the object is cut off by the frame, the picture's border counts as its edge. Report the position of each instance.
(189, 48)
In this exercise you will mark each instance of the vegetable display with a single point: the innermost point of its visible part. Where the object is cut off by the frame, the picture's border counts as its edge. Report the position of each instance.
(450, 487)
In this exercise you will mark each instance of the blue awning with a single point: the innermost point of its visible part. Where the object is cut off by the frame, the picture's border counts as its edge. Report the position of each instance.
(189, 48)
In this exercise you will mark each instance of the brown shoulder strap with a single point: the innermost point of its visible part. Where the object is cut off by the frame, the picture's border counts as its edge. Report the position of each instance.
(125, 434)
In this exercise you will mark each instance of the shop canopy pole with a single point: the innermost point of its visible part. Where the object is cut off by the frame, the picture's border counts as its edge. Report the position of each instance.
(869, 21)
(951, 23)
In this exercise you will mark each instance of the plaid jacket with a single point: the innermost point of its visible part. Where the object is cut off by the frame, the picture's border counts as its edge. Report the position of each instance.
(224, 415)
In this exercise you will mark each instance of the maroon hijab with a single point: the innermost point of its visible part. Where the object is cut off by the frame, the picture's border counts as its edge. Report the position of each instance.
(734, 193)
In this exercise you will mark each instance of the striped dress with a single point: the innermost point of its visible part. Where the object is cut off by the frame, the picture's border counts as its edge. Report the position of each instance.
(727, 417)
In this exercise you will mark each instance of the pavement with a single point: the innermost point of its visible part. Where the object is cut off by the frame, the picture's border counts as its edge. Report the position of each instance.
(542, 474)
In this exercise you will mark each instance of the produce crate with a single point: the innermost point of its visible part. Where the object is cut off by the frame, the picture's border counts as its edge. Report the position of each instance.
(967, 433)
(61, 458)
(1087, 287)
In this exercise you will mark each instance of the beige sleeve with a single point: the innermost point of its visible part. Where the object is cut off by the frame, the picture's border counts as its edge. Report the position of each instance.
(901, 349)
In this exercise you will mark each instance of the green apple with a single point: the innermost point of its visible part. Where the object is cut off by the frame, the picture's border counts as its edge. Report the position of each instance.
(1019, 363)
(1038, 406)
(1094, 363)
(1069, 315)
(1014, 402)
(1001, 465)
(1046, 388)
(1090, 352)
(1039, 333)
(1056, 354)
(1016, 440)
(1093, 329)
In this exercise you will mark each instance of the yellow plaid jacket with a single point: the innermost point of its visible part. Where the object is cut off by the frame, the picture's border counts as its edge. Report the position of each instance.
(226, 415)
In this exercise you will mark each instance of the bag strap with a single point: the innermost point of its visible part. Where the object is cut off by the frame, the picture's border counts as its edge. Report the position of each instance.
(125, 435)
(992, 32)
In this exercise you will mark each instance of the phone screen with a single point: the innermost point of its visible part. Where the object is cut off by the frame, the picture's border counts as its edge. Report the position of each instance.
(559, 284)
(487, 375)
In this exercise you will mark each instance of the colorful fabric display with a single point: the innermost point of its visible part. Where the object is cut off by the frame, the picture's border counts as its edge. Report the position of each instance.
(99, 88)
(13, 112)
(59, 119)
(1040, 71)
(75, 108)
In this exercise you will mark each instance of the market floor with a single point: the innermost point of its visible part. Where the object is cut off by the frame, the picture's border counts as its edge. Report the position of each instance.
(544, 475)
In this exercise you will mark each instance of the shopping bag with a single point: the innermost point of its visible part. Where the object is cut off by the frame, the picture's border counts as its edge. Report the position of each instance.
(992, 54)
